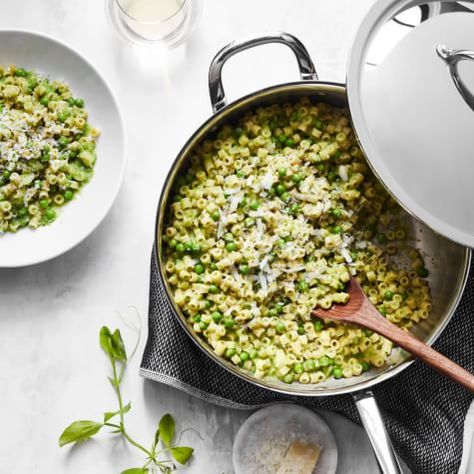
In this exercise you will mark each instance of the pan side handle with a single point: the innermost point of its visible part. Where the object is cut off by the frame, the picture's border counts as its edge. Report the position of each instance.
(216, 89)
(374, 426)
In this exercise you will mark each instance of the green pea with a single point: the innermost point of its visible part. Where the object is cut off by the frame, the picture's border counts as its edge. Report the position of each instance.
(282, 138)
(318, 124)
(297, 178)
(199, 269)
(318, 325)
(281, 242)
(309, 365)
(354, 255)
(216, 316)
(213, 289)
(44, 203)
(325, 361)
(230, 352)
(294, 208)
(365, 366)
(207, 304)
(303, 285)
(271, 191)
(383, 311)
(203, 326)
(213, 266)
(180, 248)
(63, 115)
(79, 103)
(44, 100)
(279, 307)
(71, 101)
(280, 326)
(215, 215)
(298, 368)
(173, 243)
(228, 323)
(288, 378)
(231, 247)
(388, 295)
(244, 269)
(243, 202)
(336, 229)
(337, 372)
(422, 272)
(63, 141)
(253, 353)
(254, 205)
(301, 330)
(280, 189)
(282, 172)
(336, 213)
(382, 238)
(285, 197)
(21, 73)
(22, 212)
(240, 174)
(45, 157)
(272, 312)
(249, 222)
(290, 142)
(244, 356)
(188, 247)
(6, 174)
(68, 195)
(367, 332)
(194, 247)
(50, 214)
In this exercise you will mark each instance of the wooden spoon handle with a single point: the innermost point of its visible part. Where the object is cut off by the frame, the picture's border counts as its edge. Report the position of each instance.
(374, 321)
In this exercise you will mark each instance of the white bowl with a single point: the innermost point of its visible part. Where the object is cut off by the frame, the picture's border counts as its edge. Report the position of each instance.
(77, 219)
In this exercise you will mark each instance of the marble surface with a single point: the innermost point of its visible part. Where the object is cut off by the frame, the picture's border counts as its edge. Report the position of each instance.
(51, 368)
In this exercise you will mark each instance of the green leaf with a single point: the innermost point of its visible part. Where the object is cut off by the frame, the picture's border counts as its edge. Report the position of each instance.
(118, 347)
(135, 470)
(155, 440)
(181, 453)
(166, 428)
(79, 431)
(105, 339)
(113, 382)
(110, 414)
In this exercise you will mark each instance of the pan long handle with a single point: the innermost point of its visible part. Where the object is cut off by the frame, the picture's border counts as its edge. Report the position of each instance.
(374, 426)
(216, 89)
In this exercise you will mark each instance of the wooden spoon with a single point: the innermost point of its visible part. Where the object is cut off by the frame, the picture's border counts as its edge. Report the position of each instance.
(361, 312)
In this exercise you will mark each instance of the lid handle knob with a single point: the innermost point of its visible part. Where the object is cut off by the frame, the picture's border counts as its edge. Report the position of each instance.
(452, 58)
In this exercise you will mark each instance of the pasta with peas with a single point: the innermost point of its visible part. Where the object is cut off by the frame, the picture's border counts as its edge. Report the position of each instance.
(47, 148)
(271, 219)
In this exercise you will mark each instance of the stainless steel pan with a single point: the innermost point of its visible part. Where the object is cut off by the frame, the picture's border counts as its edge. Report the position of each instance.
(448, 263)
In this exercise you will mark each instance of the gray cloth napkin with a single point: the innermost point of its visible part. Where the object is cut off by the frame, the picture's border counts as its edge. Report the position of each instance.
(423, 411)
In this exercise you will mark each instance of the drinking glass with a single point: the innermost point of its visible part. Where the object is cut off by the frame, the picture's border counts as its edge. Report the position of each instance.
(162, 22)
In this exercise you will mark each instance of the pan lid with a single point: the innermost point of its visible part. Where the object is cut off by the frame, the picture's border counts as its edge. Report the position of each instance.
(410, 84)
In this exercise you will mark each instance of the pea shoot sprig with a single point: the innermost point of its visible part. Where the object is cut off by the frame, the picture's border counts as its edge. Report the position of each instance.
(81, 430)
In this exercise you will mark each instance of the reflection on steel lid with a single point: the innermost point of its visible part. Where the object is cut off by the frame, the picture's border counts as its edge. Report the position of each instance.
(410, 85)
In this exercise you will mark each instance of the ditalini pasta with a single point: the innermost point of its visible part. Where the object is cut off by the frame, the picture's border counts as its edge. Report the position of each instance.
(47, 148)
(270, 220)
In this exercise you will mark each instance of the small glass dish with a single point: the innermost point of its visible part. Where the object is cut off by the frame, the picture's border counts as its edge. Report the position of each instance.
(163, 23)
(264, 437)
